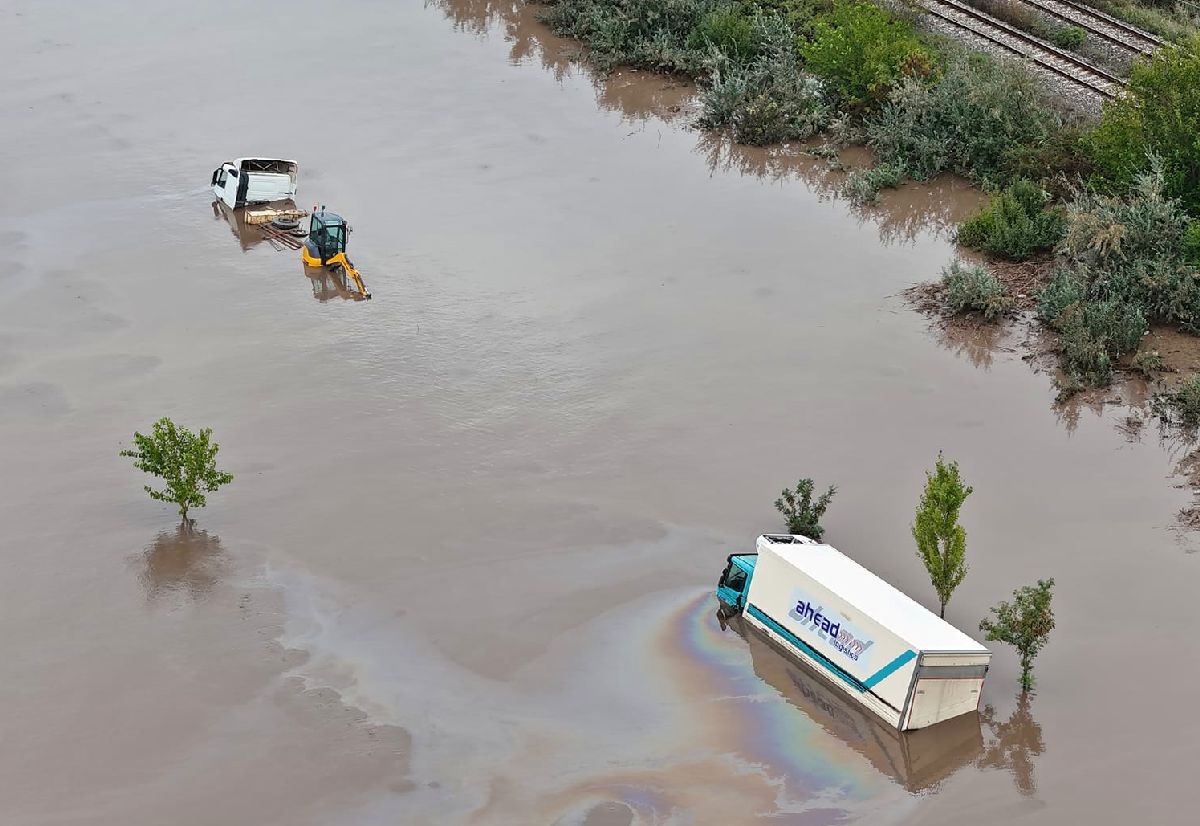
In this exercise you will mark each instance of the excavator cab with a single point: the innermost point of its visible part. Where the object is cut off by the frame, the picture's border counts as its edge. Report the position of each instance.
(328, 233)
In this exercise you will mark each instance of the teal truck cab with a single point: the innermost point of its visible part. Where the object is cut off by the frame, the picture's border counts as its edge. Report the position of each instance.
(734, 583)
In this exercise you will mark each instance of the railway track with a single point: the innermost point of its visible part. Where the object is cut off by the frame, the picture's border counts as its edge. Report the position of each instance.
(1014, 41)
(1096, 22)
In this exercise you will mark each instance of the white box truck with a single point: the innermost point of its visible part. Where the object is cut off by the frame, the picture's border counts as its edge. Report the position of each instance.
(865, 638)
(245, 181)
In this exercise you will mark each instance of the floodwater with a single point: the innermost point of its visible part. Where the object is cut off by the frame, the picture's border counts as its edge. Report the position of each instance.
(464, 573)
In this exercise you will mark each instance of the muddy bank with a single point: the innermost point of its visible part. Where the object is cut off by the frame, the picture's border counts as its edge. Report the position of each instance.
(463, 573)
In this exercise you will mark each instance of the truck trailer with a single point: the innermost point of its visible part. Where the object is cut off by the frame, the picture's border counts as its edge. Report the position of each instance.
(865, 638)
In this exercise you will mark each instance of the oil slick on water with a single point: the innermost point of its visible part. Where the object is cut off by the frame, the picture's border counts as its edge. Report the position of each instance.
(636, 718)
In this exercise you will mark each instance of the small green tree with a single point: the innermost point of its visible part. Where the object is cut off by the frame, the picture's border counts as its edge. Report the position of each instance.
(941, 541)
(185, 461)
(1025, 624)
(801, 513)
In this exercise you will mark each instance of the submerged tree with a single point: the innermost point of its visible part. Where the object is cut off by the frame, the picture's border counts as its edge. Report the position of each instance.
(801, 513)
(185, 461)
(1025, 624)
(941, 541)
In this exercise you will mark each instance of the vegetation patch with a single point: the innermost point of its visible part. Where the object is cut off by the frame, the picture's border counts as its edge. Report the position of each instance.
(766, 99)
(1016, 224)
(1160, 119)
(971, 288)
(862, 52)
(1181, 406)
(979, 118)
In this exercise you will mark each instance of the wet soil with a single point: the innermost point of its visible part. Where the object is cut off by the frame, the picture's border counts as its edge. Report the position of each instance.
(464, 572)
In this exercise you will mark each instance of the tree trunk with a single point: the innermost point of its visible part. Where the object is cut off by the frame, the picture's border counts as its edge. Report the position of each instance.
(942, 613)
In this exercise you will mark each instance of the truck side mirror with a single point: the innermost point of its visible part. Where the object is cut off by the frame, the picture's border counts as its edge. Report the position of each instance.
(216, 172)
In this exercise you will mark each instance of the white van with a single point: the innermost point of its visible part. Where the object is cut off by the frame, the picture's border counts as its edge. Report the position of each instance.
(246, 181)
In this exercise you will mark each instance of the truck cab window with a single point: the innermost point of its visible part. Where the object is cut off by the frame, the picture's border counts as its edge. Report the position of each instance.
(735, 579)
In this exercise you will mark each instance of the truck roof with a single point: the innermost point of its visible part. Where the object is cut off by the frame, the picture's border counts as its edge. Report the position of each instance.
(882, 602)
(239, 161)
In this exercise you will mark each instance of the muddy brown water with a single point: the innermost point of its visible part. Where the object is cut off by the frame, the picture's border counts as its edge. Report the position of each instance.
(464, 573)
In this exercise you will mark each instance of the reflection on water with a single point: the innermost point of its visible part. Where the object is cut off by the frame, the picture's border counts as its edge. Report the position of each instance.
(330, 283)
(900, 216)
(1013, 744)
(917, 760)
(183, 561)
(247, 235)
(977, 341)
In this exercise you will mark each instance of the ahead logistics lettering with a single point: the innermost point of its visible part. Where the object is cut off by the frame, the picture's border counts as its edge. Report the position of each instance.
(832, 632)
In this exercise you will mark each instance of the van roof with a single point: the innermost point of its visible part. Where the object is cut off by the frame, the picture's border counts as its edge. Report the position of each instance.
(885, 604)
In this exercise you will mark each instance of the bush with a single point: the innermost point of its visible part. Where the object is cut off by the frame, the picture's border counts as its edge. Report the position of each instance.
(1068, 37)
(861, 51)
(768, 100)
(1093, 334)
(1015, 224)
(975, 120)
(798, 14)
(726, 29)
(647, 34)
(1189, 245)
(1130, 249)
(970, 288)
(863, 185)
(1064, 288)
(1159, 116)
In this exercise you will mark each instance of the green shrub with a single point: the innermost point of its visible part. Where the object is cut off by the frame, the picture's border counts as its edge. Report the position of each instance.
(728, 30)
(798, 14)
(1068, 37)
(863, 185)
(647, 34)
(1189, 245)
(1015, 223)
(1130, 248)
(1064, 288)
(973, 120)
(1093, 334)
(971, 288)
(1061, 152)
(1124, 268)
(861, 51)
(1159, 116)
(769, 99)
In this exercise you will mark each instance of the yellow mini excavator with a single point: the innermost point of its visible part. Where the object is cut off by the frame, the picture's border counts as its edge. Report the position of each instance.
(326, 246)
